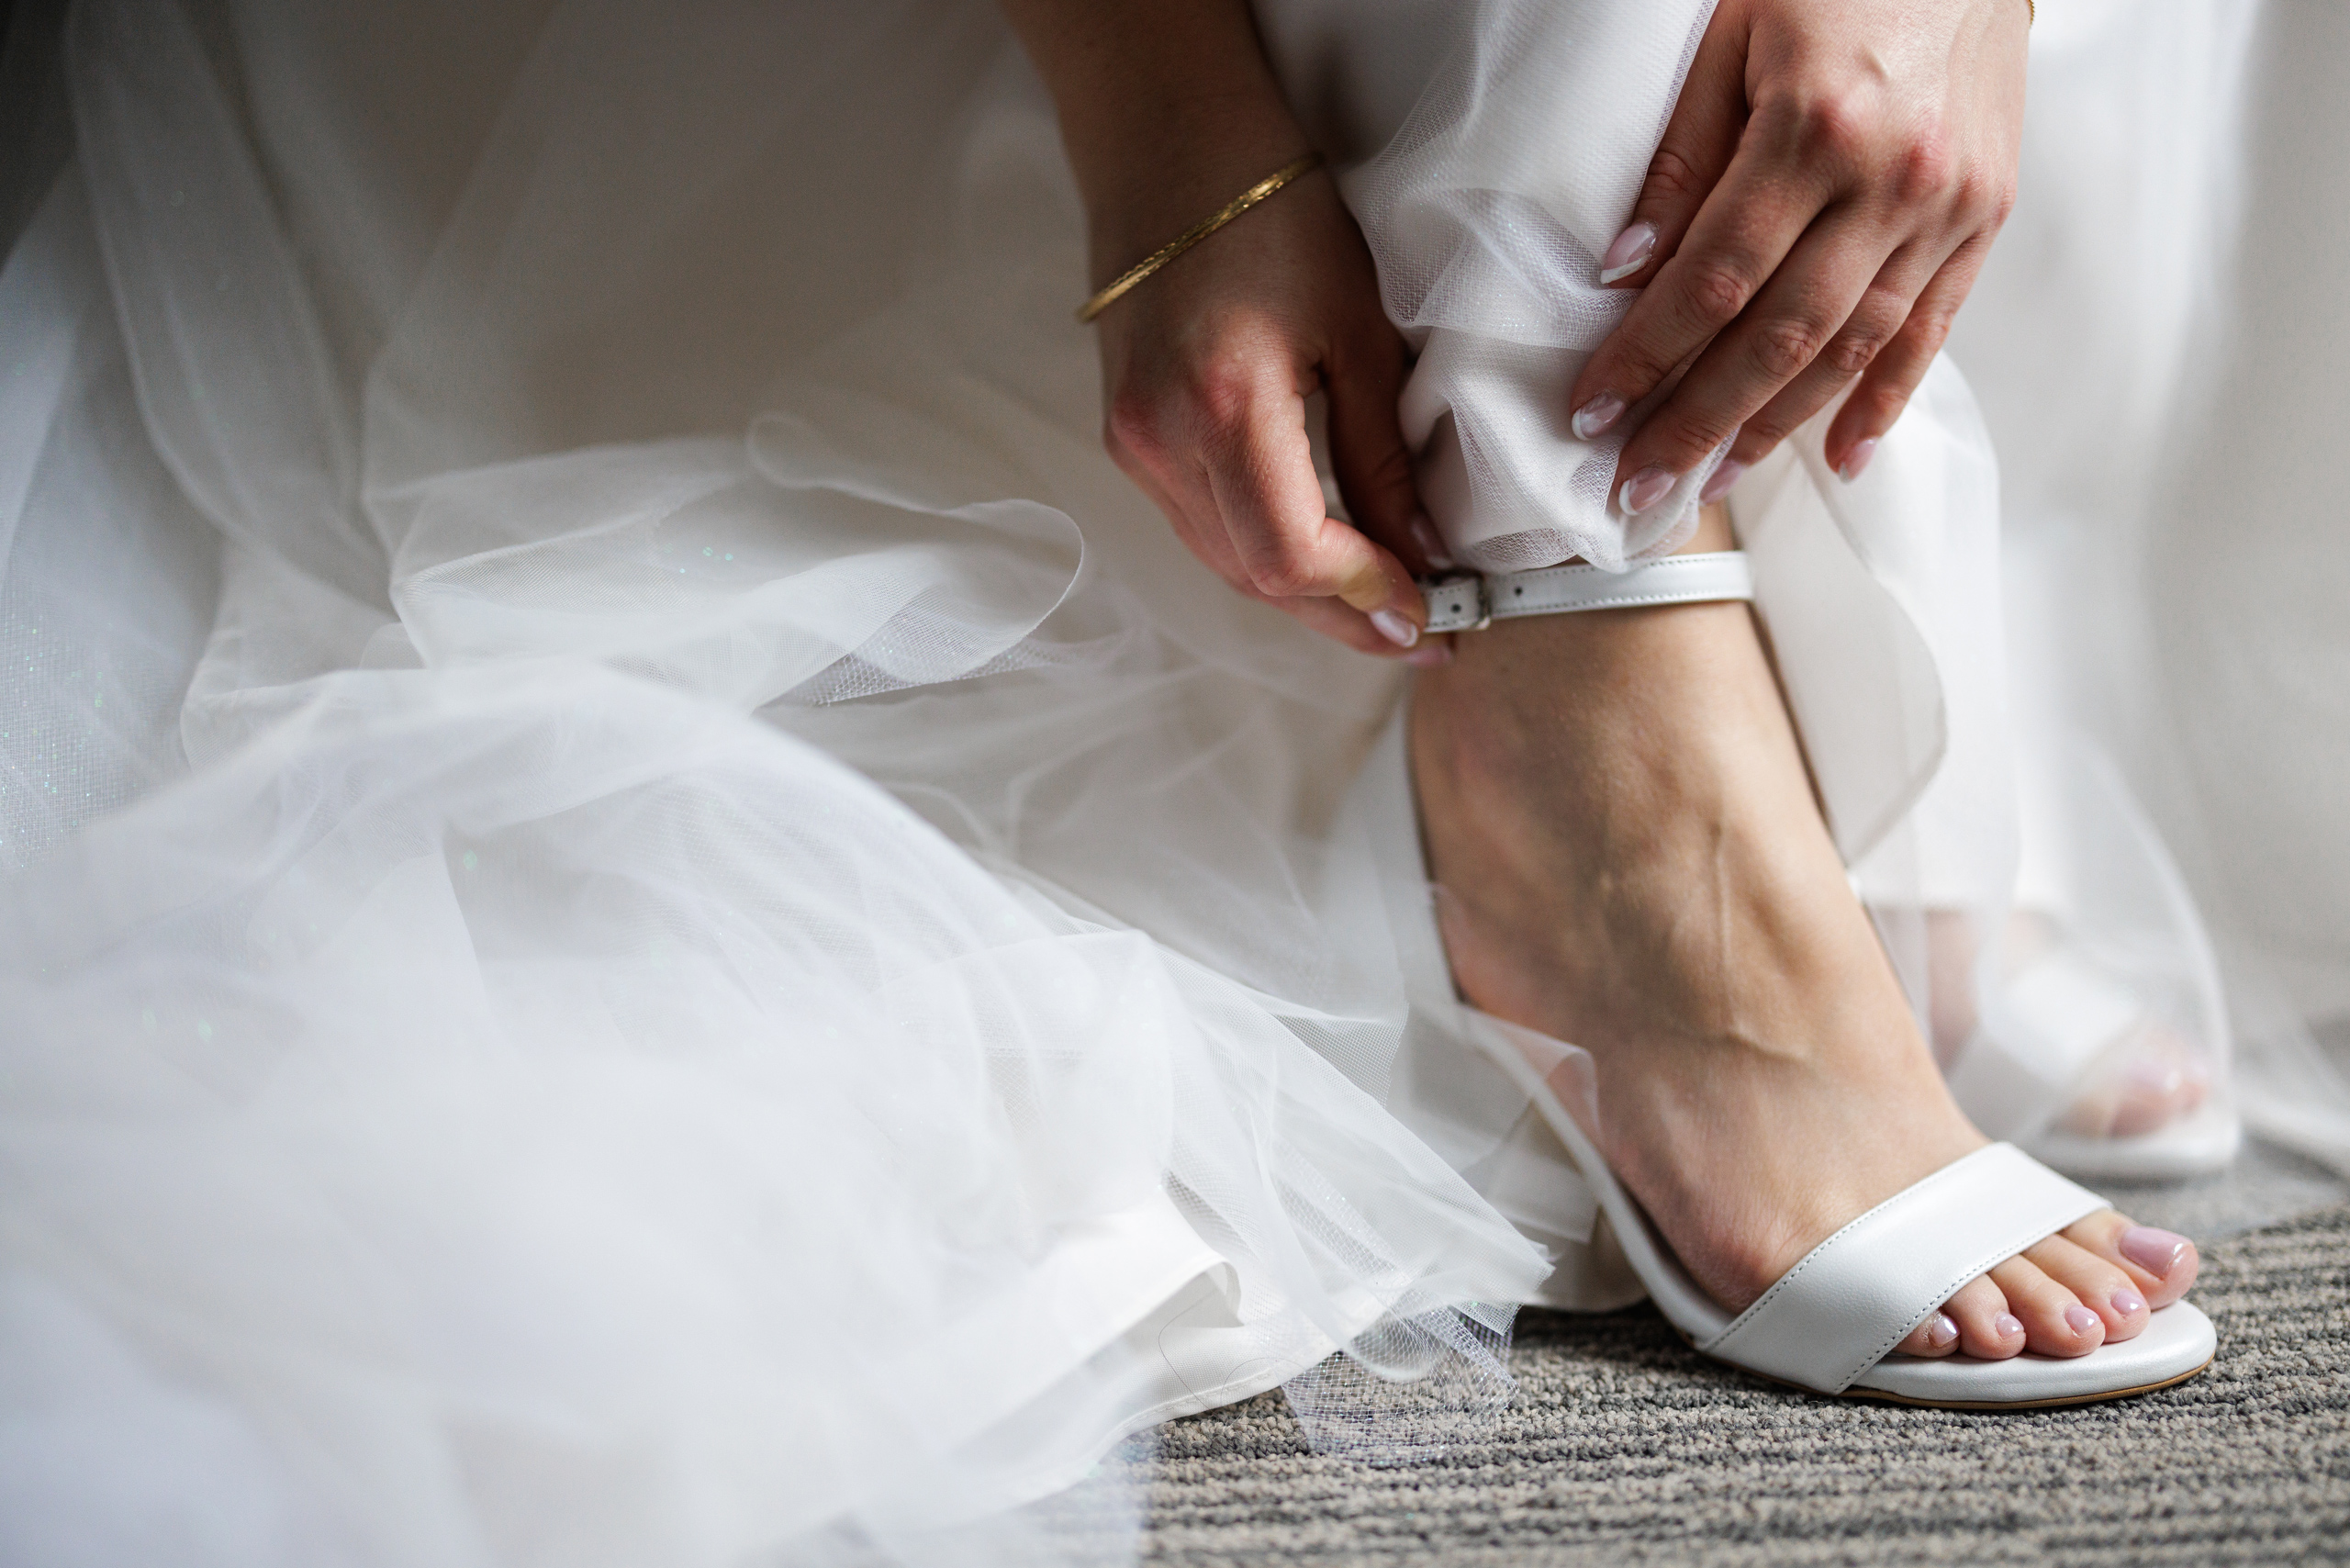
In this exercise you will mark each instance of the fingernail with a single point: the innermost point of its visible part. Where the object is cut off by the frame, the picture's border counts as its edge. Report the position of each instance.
(1647, 487)
(1723, 478)
(1431, 543)
(2156, 1251)
(2082, 1321)
(2127, 1300)
(1395, 628)
(1597, 417)
(2007, 1325)
(1629, 254)
(1857, 459)
(1434, 656)
(1941, 1331)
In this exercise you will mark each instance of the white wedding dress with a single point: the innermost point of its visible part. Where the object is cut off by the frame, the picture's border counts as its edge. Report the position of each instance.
(651, 917)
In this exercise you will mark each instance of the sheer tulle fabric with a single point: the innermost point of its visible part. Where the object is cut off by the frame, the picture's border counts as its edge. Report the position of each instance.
(749, 959)
(556, 1073)
(2167, 544)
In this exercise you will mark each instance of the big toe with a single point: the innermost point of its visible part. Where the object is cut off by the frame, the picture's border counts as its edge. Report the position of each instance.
(2156, 1080)
(2161, 1263)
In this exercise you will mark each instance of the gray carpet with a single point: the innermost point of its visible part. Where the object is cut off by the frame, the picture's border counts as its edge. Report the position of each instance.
(1625, 1447)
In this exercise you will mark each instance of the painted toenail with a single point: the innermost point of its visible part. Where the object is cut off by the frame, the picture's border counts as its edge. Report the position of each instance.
(2156, 1080)
(2007, 1325)
(2081, 1321)
(2127, 1300)
(2156, 1251)
(1941, 1331)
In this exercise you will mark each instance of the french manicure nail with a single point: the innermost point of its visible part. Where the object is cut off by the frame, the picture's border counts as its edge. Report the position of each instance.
(1857, 459)
(1435, 656)
(2082, 1321)
(1395, 628)
(1629, 254)
(2127, 1300)
(1431, 543)
(1722, 479)
(2007, 1325)
(1941, 1331)
(1597, 417)
(1645, 488)
(2156, 1251)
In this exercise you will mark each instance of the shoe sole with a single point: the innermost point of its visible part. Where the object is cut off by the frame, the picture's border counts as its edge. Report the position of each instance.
(1879, 1396)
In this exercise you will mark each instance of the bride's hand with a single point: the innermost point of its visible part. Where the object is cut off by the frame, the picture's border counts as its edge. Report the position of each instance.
(1168, 112)
(1820, 204)
(1207, 366)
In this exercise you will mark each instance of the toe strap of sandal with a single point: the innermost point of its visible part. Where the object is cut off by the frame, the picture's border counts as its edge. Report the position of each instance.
(1860, 1293)
(2041, 1034)
(1471, 602)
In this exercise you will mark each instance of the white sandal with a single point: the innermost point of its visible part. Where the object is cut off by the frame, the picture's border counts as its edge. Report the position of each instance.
(2057, 1019)
(1830, 1323)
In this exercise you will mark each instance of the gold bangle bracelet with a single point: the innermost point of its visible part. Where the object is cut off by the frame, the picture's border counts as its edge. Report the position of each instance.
(1195, 233)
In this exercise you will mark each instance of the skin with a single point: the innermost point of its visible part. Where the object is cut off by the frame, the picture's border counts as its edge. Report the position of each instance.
(1207, 366)
(1823, 198)
(1633, 860)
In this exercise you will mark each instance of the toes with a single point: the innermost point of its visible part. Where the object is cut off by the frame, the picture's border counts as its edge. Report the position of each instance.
(2102, 1287)
(1938, 1336)
(2156, 1090)
(2149, 1080)
(2161, 1263)
(1986, 1329)
(2054, 1321)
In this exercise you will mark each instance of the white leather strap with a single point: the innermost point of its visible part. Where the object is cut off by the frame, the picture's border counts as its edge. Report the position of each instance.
(2036, 1039)
(1470, 603)
(1859, 1293)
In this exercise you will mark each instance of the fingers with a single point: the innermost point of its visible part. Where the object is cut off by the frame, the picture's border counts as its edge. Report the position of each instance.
(1886, 386)
(1229, 464)
(1747, 225)
(1368, 454)
(1263, 485)
(1823, 311)
(1698, 144)
(1874, 323)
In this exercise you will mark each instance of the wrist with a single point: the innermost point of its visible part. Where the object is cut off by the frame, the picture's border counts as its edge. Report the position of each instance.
(1146, 176)
(1167, 112)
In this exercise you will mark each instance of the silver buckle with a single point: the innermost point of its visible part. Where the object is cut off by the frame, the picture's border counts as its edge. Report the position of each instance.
(1475, 583)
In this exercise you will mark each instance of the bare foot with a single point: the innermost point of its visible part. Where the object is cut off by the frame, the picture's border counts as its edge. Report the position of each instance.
(2142, 1079)
(1629, 857)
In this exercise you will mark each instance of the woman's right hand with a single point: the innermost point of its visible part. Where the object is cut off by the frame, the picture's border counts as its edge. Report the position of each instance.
(1208, 362)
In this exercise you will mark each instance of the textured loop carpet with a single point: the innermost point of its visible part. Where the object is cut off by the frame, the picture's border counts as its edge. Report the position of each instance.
(1625, 1447)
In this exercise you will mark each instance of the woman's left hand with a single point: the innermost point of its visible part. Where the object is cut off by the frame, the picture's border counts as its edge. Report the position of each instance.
(1821, 202)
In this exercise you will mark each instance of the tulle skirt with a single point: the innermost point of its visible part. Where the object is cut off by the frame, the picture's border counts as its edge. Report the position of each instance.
(652, 917)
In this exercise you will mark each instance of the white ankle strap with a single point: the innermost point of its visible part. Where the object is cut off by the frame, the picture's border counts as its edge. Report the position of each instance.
(1472, 603)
